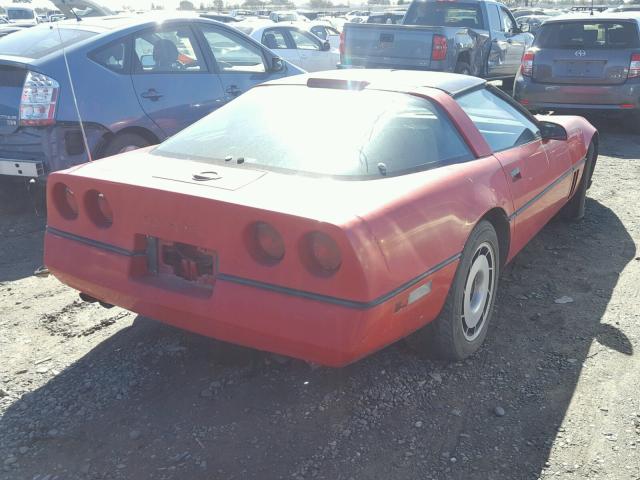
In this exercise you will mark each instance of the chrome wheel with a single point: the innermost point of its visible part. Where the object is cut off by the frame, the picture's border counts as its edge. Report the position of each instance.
(478, 291)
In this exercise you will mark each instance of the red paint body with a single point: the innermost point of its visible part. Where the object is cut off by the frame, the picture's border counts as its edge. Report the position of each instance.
(390, 231)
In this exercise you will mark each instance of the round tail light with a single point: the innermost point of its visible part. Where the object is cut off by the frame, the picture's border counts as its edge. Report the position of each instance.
(269, 242)
(65, 201)
(325, 252)
(98, 209)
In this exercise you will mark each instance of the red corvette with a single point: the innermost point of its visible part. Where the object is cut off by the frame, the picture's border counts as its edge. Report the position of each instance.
(324, 216)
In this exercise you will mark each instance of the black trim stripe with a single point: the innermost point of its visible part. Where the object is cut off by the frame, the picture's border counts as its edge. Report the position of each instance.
(94, 243)
(547, 189)
(269, 286)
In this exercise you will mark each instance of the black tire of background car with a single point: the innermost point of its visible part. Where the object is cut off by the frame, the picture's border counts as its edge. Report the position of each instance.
(444, 338)
(122, 141)
(575, 207)
(463, 68)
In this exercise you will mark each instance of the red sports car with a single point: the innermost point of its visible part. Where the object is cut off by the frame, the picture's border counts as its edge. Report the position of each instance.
(324, 216)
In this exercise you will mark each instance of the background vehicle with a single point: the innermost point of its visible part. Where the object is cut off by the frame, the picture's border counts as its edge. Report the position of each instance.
(6, 29)
(415, 157)
(387, 18)
(295, 45)
(476, 37)
(137, 81)
(284, 16)
(25, 16)
(583, 63)
(531, 23)
(220, 17)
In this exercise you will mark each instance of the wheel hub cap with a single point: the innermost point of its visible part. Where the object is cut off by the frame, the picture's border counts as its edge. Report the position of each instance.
(478, 291)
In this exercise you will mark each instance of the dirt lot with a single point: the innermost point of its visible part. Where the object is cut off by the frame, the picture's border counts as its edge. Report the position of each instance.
(91, 393)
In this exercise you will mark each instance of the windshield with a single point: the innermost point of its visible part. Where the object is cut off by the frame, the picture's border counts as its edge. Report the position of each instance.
(37, 41)
(444, 14)
(20, 14)
(296, 129)
(588, 35)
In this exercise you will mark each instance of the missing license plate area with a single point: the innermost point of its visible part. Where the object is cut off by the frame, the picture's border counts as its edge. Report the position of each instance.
(180, 260)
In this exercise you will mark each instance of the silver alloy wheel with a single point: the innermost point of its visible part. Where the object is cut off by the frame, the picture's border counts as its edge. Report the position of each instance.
(478, 290)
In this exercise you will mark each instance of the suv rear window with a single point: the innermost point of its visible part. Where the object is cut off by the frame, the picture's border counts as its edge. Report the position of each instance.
(444, 14)
(37, 42)
(286, 128)
(609, 34)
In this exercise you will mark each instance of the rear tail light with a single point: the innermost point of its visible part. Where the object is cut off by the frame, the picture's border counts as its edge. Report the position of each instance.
(439, 47)
(98, 209)
(268, 242)
(527, 64)
(38, 100)
(65, 201)
(634, 66)
(342, 43)
(325, 252)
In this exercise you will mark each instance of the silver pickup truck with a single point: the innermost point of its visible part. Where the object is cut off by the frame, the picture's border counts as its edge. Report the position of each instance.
(474, 37)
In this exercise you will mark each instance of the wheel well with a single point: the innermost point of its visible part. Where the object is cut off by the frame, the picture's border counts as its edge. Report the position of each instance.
(498, 218)
(464, 57)
(142, 132)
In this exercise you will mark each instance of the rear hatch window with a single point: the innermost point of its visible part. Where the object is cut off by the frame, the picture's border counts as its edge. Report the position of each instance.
(588, 35)
(37, 42)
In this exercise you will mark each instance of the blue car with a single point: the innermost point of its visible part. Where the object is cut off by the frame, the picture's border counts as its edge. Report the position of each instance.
(137, 81)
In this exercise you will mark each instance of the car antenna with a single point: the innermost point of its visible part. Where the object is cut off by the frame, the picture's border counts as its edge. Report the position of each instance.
(75, 14)
(73, 92)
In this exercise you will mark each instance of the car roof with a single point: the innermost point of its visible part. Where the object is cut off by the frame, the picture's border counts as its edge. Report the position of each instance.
(586, 16)
(398, 80)
(116, 22)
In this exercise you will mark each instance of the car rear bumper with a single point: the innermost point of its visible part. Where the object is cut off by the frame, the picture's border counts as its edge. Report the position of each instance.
(327, 330)
(545, 96)
(35, 152)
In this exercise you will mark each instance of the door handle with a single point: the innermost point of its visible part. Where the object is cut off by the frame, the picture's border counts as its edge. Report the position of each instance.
(233, 90)
(515, 174)
(151, 94)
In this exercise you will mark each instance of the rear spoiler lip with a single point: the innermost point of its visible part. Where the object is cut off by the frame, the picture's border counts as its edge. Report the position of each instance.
(14, 61)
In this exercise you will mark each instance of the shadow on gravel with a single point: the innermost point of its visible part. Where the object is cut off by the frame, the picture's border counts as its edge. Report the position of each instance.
(155, 402)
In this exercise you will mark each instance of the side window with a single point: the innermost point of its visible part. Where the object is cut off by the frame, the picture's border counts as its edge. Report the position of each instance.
(506, 21)
(167, 51)
(304, 41)
(500, 123)
(495, 25)
(319, 32)
(232, 53)
(112, 56)
(274, 39)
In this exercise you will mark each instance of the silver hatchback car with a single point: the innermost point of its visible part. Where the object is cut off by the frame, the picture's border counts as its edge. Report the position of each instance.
(581, 62)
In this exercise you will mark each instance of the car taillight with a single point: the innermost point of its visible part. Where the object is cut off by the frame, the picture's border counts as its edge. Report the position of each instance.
(634, 66)
(439, 47)
(65, 201)
(38, 100)
(527, 64)
(325, 252)
(98, 209)
(268, 242)
(341, 43)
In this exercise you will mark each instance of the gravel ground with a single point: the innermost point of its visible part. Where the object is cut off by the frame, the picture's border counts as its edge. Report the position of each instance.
(91, 393)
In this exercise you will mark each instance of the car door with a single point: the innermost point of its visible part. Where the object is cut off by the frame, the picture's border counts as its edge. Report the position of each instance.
(239, 63)
(171, 79)
(515, 41)
(312, 57)
(278, 40)
(538, 171)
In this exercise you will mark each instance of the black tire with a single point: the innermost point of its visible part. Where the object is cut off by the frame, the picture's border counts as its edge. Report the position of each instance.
(446, 337)
(575, 207)
(124, 142)
(463, 68)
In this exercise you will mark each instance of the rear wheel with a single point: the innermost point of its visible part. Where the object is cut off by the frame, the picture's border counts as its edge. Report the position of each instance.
(125, 143)
(462, 326)
(575, 207)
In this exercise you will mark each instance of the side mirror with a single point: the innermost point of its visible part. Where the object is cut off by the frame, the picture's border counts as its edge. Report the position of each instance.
(277, 65)
(326, 46)
(147, 61)
(552, 131)
(524, 27)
